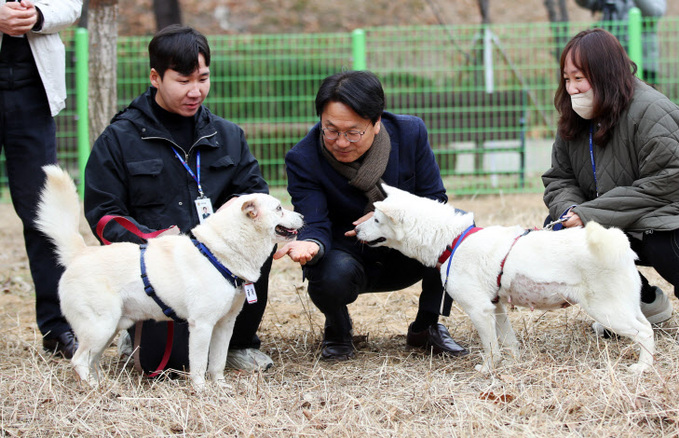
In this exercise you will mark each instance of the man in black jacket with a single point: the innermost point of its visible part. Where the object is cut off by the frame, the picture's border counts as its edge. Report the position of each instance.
(161, 163)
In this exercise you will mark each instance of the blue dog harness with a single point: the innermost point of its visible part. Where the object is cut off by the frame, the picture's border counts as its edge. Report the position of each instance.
(150, 291)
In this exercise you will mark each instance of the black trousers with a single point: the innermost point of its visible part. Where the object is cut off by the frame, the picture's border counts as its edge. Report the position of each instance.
(341, 276)
(659, 250)
(28, 137)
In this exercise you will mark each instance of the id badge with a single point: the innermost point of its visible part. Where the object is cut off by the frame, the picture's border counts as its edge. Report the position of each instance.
(203, 208)
(250, 293)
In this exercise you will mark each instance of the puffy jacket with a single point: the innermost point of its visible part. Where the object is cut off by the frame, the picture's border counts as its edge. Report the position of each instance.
(48, 49)
(133, 171)
(327, 201)
(637, 172)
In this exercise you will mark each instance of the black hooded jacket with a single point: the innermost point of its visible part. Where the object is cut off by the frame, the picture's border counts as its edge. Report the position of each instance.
(133, 171)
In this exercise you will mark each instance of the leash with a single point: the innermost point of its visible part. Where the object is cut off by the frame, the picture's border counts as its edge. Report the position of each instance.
(131, 227)
(550, 226)
(125, 223)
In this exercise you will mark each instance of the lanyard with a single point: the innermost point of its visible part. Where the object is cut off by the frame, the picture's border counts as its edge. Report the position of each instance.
(195, 176)
(591, 157)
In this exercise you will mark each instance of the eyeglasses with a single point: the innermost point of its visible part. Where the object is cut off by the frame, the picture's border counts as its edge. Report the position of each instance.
(351, 136)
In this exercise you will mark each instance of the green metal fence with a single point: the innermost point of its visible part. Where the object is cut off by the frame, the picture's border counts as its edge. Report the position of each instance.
(485, 92)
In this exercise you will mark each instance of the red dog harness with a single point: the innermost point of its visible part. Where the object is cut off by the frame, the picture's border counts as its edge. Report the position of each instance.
(450, 251)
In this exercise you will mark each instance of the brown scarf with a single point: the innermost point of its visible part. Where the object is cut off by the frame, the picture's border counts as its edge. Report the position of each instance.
(366, 175)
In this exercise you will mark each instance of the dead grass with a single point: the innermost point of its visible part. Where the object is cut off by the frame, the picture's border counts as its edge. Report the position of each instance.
(566, 383)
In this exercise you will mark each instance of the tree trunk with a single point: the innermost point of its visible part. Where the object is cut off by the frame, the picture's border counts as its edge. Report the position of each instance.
(102, 18)
(167, 12)
(484, 8)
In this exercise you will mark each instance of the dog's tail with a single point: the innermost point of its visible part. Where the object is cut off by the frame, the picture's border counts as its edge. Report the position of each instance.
(609, 245)
(59, 214)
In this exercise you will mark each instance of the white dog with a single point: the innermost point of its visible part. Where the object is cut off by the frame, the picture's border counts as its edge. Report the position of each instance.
(102, 291)
(591, 266)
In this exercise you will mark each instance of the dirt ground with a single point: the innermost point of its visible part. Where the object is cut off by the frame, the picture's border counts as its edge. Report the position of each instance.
(288, 302)
(567, 383)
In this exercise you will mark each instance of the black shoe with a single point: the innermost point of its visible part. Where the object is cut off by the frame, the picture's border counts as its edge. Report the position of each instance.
(65, 344)
(337, 339)
(339, 351)
(437, 338)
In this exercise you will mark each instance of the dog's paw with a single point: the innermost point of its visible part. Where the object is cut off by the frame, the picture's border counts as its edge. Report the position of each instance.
(483, 369)
(222, 384)
(199, 385)
(638, 368)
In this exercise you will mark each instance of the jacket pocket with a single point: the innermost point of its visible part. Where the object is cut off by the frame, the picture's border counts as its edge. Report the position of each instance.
(223, 163)
(147, 184)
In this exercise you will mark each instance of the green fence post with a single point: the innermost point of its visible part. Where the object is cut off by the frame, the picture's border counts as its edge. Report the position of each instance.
(358, 49)
(634, 37)
(81, 91)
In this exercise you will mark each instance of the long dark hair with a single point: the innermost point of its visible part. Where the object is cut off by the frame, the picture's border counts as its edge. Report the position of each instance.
(610, 72)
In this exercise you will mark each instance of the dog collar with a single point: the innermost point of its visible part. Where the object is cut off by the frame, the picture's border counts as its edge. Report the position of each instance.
(450, 250)
(233, 279)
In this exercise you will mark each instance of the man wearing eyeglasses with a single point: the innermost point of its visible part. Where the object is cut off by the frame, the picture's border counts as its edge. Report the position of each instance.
(334, 177)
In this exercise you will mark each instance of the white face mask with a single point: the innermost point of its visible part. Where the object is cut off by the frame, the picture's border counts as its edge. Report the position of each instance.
(583, 104)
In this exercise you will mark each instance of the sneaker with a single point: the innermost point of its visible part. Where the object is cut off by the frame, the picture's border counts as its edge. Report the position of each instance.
(248, 359)
(659, 310)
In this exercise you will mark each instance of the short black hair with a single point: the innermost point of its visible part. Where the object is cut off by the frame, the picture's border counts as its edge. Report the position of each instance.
(177, 47)
(359, 90)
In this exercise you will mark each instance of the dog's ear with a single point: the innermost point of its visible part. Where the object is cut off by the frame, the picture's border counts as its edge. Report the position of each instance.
(389, 190)
(250, 208)
(392, 213)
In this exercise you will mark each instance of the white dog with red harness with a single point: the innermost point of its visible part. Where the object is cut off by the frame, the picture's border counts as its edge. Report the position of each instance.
(105, 289)
(484, 268)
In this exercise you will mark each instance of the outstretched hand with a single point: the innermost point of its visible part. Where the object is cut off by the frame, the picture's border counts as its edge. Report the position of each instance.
(300, 251)
(360, 220)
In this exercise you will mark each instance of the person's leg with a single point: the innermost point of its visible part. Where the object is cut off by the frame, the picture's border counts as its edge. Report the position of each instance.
(659, 250)
(334, 282)
(244, 350)
(29, 137)
(389, 270)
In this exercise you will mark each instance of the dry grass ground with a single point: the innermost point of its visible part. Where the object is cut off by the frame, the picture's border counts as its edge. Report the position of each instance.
(567, 382)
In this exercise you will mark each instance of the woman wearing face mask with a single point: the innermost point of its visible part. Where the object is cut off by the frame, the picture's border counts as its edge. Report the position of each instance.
(615, 160)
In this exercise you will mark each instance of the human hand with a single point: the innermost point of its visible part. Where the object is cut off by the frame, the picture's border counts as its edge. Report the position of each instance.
(572, 220)
(300, 251)
(352, 233)
(227, 203)
(17, 18)
(172, 231)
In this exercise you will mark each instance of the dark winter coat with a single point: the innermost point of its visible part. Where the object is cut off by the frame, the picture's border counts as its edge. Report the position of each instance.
(133, 171)
(327, 201)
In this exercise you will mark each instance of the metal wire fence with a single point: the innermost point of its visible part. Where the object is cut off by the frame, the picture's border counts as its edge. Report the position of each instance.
(485, 92)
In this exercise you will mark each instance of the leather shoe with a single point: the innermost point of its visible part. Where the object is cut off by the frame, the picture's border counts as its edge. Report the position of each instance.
(437, 339)
(64, 344)
(337, 350)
